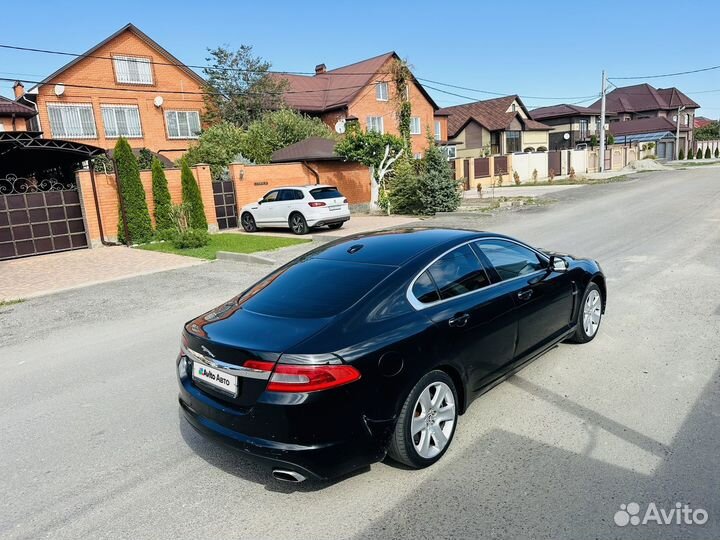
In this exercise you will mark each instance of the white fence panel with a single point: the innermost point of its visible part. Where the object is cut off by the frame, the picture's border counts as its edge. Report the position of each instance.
(579, 161)
(525, 164)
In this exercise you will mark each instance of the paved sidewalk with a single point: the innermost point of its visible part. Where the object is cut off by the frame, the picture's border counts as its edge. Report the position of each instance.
(55, 272)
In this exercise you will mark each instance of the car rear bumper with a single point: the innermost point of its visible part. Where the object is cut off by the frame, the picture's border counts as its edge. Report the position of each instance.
(319, 221)
(269, 432)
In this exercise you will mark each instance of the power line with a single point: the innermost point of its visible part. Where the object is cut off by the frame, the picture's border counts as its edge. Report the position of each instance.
(502, 94)
(666, 74)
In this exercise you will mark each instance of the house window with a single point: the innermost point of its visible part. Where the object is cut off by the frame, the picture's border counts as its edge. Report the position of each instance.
(131, 70)
(438, 130)
(121, 121)
(182, 124)
(495, 142)
(450, 151)
(512, 142)
(415, 128)
(687, 119)
(375, 123)
(583, 129)
(514, 108)
(381, 91)
(72, 121)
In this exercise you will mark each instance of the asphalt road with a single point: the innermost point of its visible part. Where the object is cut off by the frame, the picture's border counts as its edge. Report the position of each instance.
(92, 445)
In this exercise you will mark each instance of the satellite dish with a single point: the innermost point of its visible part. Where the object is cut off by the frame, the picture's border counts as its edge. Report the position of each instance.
(158, 101)
(59, 89)
(340, 126)
(566, 136)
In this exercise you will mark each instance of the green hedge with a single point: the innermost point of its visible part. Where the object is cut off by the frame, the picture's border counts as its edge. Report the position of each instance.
(161, 197)
(191, 196)
(136, 213)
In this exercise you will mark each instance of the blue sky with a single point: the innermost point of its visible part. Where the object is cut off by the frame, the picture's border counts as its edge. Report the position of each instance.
(537, 48)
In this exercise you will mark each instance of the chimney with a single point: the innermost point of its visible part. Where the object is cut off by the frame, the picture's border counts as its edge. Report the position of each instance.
(19, 89)
(320, 69)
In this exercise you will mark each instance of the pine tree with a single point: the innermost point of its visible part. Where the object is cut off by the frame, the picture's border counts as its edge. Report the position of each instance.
(699, 154)
(161, 197)
(139, 226)
(717, 153)
(438, 188)
(681, 154)
(708, 155)
(191, 197)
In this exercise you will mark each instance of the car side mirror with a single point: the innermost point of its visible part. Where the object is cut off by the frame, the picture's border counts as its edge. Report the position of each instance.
(260, 201)
(558, 264)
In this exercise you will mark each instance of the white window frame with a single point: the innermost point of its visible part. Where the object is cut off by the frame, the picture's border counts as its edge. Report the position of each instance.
(114, 108)
(65, 134)
(450, 151)
(177, 120)
(123, 76)
(382, 91)
(415, 122)
(438, 130)
(376, 123)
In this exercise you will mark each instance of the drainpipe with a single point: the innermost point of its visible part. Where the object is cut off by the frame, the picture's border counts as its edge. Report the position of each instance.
(97, 208)
(312, 171)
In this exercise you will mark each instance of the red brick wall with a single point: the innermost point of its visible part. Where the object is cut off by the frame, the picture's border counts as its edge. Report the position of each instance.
(254, 181)
(99, 72)
(7, 124)
(108, 200)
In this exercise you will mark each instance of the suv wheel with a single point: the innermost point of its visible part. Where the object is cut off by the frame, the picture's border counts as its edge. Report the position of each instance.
(248, 222)
(297, 224)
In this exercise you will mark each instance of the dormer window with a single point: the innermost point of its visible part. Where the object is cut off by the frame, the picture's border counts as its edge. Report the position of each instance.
(133, 70)
(381, 91)
(514, 107)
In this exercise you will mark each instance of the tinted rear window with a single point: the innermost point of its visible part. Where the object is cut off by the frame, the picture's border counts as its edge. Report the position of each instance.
(315, 288)
(325, 193)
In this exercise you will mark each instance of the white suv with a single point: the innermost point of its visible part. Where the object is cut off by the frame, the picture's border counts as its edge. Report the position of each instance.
(297, 207)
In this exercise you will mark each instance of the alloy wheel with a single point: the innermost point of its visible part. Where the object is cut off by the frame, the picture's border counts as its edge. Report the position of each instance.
(433, 420)
(592, 311)
(297, 223)
(248, 222)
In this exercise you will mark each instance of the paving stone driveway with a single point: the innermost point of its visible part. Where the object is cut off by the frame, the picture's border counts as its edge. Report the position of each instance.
(45, 274)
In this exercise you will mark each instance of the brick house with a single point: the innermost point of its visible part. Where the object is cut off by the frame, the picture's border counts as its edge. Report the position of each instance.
(579, 123)
(127, 85)
(495, 126)
(364, 91)
(14, 116)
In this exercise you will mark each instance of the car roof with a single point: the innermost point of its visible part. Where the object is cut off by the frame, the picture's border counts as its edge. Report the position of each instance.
(309, 186)
(393, 247)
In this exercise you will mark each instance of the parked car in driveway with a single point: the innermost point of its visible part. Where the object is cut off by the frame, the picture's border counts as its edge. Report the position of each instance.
(299, 208)
(374, 344)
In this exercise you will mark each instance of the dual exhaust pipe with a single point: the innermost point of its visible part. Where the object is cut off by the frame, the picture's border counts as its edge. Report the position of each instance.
(284, 475)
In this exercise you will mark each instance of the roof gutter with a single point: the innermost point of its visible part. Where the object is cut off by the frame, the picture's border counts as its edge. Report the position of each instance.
(312, 171)
(97, 207)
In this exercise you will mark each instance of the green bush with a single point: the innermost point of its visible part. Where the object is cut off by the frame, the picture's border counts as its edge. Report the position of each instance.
(717, 153)
(136, 212)
(191, 197)
(145, 159)
(439, 191)
(699, 154)
(191, 238)
(404, 195)
(708, 154)
(218, 146)
(161, 197)
(690, 155)
(681, 154)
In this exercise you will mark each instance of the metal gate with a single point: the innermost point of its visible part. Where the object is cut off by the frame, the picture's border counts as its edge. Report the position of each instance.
(554, 163)
(39, 216)
(225, 204)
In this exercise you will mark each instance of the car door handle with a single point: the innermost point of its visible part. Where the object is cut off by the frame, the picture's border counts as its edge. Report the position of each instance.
(459, 320)
(525, 295)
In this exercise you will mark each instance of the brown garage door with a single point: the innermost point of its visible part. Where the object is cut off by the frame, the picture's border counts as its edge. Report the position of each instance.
(39, 217)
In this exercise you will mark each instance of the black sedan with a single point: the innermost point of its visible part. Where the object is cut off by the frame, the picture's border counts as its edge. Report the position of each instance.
(374, 344)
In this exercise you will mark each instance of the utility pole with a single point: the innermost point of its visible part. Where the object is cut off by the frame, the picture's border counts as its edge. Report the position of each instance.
(602, 124)
(677, 133)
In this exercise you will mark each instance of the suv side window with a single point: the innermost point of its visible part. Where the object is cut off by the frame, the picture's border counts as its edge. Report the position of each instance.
(458, 272)
(297, 194)
(272, 196)
(509, 259)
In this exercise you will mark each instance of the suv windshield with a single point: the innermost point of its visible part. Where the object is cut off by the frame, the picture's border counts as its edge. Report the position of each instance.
(315, 288)
(325, 193)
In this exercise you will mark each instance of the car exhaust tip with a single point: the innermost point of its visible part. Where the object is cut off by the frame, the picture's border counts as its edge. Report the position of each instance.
(288, 476)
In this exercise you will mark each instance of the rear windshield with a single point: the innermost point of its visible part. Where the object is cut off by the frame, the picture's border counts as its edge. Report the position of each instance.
(325, 193)
(315, 288)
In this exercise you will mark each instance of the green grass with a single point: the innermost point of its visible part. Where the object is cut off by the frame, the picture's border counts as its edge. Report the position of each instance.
(4, 303)
(237, 243)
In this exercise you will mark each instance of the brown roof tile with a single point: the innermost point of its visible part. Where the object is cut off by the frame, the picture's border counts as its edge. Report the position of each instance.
(643, 97)
(8, 107)
(491, 113)
(644, 125)
(563, 109)
(310, 149)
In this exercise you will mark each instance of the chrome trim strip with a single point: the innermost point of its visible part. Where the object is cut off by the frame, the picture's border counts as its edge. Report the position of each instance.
(230, 369)
(417, 305)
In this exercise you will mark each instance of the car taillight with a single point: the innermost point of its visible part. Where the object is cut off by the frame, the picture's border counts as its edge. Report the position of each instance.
(315, 204)
(344, 201)
(305, 378)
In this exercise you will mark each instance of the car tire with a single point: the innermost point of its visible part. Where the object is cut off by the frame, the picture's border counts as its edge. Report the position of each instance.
(589, 315)
(335, 226)
(419, 434)
(248, 222)
(297, 223)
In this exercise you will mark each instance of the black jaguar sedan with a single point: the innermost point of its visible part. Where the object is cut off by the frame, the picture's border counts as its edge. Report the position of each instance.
(374, 344)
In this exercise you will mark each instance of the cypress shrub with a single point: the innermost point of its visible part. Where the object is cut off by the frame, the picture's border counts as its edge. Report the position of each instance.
(699, 154)
(191, 197)
(717, 153)
(133, 195)
(681, 154)
(708, 155)
(161, 197)
(439, 191)
(690, 155)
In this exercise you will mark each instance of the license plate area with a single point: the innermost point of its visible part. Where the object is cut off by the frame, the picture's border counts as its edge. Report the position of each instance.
(215, 379)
